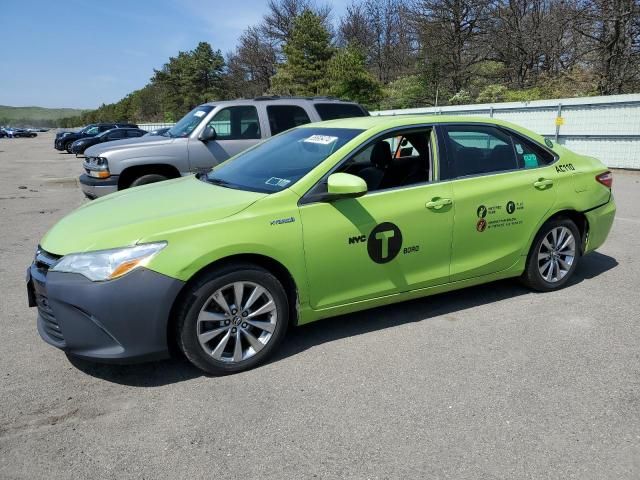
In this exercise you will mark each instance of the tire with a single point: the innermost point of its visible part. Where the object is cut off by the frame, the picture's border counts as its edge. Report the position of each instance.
(67, 147)
(553, 259)
(208, 336)
(147, 179)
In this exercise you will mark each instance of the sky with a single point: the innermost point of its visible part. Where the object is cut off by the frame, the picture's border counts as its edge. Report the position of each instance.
(80, 54)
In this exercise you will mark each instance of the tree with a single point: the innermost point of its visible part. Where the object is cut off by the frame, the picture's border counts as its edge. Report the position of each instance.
(612, 29)
(251, 66)
(407, 92)
(278, 23)
(349, 78)
(452, 35)
(307, 54)
(382, 29)
(190, 79)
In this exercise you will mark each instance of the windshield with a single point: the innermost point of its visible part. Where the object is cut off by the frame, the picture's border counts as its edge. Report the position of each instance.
(86, 129)
(282, 160)
(189, 122)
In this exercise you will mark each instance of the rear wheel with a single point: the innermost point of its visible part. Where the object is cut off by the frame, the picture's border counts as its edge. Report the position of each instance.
(233, 319)
(147, 179)
(554, 256)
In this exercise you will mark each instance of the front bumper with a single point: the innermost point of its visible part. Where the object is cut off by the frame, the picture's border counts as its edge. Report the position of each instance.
(98, 187)
(118, 321)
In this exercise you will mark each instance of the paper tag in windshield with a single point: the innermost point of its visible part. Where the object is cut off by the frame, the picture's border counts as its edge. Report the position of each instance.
(199, 113)
(278, 182)
(321, 139)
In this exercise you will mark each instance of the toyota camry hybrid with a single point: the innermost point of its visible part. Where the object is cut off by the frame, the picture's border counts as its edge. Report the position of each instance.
(321, 220)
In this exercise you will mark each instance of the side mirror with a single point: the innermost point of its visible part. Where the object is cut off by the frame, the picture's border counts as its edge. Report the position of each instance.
(345, 185)
(208, 134)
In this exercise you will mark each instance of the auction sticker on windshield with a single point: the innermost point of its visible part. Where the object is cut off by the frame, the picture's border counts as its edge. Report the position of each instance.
(199, 113)
(321, 139)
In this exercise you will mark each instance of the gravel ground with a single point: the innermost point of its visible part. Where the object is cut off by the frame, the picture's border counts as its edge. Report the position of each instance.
(493, 382)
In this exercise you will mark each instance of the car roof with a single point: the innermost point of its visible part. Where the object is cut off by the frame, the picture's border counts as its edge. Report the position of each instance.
(278, 99)
(383, 122)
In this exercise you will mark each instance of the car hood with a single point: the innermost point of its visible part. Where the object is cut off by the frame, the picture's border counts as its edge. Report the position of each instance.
(128, 217)
(98, 150)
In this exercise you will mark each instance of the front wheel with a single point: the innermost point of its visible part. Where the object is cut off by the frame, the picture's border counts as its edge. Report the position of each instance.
(147, 179)
(233, 319)
(553, 257)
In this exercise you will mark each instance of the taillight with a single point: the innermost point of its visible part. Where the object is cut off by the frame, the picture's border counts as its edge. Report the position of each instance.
(605, 179)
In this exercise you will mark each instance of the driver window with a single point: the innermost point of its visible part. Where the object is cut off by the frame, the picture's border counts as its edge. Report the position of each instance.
(236, 123)
(398, 160)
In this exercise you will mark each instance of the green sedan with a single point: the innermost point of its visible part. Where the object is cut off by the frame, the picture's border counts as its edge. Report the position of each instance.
(321, 220)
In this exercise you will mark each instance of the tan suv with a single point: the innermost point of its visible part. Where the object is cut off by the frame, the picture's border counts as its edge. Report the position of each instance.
(206, 136)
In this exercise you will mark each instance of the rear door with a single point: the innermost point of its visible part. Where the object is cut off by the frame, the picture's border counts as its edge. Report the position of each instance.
(501, 190)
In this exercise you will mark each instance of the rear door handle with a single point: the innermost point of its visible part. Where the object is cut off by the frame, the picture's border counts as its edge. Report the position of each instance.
(543, 183)
(439, 203)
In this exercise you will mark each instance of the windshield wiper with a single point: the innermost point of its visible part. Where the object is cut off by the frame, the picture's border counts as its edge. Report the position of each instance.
(217, 181)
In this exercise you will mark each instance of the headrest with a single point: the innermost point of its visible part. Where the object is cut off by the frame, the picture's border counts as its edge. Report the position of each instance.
(381, 155)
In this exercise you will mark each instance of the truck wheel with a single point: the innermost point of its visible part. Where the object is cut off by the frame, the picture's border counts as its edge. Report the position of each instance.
(553, 257)
(232, 319)
(146, 179)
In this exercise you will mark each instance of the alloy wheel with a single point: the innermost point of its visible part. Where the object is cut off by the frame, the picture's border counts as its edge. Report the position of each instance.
(556, 254)
(237, 322)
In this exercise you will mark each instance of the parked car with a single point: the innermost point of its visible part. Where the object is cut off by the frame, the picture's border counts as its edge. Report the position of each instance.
(205, 137)
(64, 140)
(79, 146)
(322, 220)
(158, 132)
(3, 134)
(19, 133)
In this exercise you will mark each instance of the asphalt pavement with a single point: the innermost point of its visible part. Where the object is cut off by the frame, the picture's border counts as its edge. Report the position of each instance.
(491, 382)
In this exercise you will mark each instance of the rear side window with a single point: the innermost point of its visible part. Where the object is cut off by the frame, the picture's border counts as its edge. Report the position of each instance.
(331, 111)
(478, 149)
(236, 123)
(529, 154)
(116, 134)
(284, 117)
(134, 133)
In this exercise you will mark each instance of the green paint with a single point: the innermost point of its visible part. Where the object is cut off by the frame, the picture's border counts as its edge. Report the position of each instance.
(203, 223)
(530, 160)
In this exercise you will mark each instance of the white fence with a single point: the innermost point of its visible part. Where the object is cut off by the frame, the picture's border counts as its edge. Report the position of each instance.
(604, 127)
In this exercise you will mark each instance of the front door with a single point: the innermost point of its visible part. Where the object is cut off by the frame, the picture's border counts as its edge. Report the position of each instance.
(237, 128)
(395, 238)
(502, 188)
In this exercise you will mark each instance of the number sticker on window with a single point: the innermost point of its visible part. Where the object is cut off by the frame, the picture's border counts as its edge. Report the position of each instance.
(321, 139)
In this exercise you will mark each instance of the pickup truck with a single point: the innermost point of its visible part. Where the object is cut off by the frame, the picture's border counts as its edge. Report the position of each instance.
(206, 136)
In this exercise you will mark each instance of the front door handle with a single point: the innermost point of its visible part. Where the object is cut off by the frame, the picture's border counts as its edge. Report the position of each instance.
(543, 183)
(437, 204)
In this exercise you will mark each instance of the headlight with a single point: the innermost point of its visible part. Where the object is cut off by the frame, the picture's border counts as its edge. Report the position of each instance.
(108, 264)
(97, 167)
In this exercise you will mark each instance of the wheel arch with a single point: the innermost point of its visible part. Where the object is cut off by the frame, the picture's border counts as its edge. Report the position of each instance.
(273, 266)
(579, 218)
(129, 174)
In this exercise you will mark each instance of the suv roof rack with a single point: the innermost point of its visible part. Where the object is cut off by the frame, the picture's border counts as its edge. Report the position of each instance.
(293, 97)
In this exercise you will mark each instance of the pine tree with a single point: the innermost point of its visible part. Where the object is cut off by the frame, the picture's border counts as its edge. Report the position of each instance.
(350, 80)
(307, 55)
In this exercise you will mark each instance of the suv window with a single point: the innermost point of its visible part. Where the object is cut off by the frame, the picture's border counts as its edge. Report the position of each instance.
(236, 123)
(284, 117)
(398, 160)
(104, 128)
(331, 111)
(478, 149)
